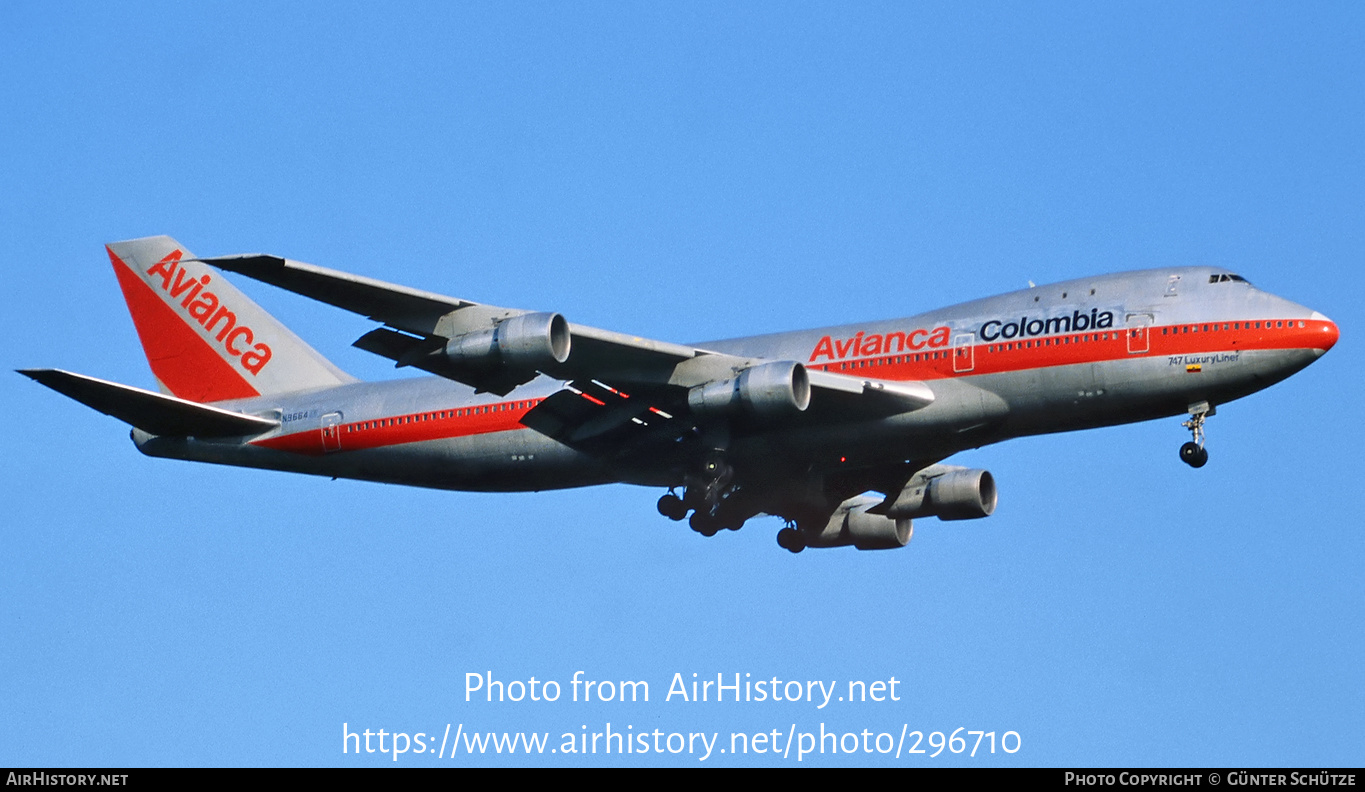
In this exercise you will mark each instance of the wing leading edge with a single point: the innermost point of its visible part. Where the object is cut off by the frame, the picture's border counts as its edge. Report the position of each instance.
(426, 330)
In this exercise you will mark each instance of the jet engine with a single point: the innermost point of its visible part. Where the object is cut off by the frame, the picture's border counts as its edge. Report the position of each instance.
(768, 390)
(852, 525)
(527, 341)
(948, 493)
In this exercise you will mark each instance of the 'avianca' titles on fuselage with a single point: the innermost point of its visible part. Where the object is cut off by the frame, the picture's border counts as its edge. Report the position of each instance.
(865, 344)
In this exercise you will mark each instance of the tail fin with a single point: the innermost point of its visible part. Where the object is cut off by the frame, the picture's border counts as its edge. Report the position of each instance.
(205, 340)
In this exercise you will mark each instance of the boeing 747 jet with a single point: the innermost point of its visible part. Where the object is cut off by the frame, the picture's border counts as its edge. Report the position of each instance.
(839, 431)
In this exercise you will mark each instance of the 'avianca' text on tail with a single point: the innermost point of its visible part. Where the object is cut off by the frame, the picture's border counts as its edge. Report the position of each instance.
(839, 431)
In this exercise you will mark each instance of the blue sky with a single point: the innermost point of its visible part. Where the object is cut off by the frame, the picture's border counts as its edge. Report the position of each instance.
(682, 171)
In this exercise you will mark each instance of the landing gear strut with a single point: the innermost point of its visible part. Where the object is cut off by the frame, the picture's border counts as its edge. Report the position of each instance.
(707, 487)
(1193, 453)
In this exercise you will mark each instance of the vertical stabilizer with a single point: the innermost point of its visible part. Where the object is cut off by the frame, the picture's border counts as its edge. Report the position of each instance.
(205, 340)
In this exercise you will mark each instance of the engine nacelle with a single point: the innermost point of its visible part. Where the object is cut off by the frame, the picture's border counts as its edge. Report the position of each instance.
(957, 494)
(852, 525)
(768, 390)
(528, 341)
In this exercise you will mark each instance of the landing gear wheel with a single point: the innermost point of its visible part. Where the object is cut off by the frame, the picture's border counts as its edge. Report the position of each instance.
(1193, 455)
(672, 507)
(791, 539)
(703, 524)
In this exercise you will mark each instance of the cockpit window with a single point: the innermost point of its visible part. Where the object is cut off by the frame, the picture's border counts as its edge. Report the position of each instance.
(1227, 279)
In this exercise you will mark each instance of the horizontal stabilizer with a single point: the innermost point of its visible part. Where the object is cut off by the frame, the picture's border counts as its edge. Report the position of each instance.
(151, 412)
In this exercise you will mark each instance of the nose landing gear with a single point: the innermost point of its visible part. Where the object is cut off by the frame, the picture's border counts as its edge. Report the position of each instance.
(1193, 453)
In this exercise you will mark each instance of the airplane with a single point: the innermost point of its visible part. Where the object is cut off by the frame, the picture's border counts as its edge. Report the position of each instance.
(839, 431)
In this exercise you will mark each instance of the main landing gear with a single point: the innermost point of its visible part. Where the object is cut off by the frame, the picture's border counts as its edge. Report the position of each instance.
(1193, 453)
(706, 494)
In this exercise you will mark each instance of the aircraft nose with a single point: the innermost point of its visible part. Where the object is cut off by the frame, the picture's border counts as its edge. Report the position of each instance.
(1328, 330)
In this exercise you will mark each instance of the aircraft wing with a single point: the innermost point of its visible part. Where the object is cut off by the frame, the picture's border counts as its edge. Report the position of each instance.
(420, 325)
(413, 310)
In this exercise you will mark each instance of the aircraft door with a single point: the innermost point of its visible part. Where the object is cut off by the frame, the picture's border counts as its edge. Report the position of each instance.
(1138, 340)
(331, 432)
(964, 359)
